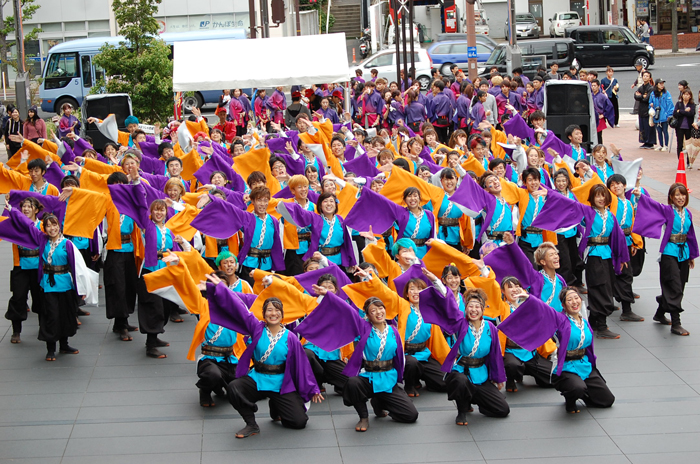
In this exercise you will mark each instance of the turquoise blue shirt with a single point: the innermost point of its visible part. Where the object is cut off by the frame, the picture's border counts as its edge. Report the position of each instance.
(382, 382)
(270, 382)
(452, 236)
(264, 264)
(578, 154)
(520, 353)
(502, 219)
(581, 367)
(477, 375)
(603, 173)
(422, 336)
(226, 337)
(43, 190)
(304, 244)
(162, 246)
(337, 239)
(550, 293)
(31, 262)
(679, 250)
(64, 282)
(625, 216)
(126, 227)
(574, 230)
(423, 232)
(534, 206)
(602, 251)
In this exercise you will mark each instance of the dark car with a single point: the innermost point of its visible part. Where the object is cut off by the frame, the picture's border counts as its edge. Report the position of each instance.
(535, 53)
(601, 46)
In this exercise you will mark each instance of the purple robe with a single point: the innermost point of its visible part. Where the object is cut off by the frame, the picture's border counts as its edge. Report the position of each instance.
(309, 279)
(54, 175)
(463, 107)
(50, 203)
(219, 163)
(442, 311)
(604, 107)
(517, 127)
(277, 104)
(440, 107)
(362, 166)
(414, 113)
(227, 309)
(334, 324)
(652, 216)
(286, 193)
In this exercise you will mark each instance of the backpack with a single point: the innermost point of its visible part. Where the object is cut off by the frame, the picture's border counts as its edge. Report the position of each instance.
(651, 30)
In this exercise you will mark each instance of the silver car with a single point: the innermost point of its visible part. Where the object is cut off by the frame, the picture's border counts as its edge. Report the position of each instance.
(526, 26)
(385, 63)
(560, 21)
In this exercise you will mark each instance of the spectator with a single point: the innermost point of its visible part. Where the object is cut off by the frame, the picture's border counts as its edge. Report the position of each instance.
(34, 127)
(662, 102)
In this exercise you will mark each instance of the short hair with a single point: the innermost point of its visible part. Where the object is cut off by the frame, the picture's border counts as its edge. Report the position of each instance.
(298, 180)
(599, 189)
(277, 159)
(485, 176)
(157, 204)
(619, 178)
(173, 159)
(447, 173)
(339, 138)
(256, 177)
(569, 131)
(70, 178)
(259, 192)
(494, 163)
(450, 269)
(49, 218)
(420, 283)
(541, 251)
(37, 163)
(534, 172)
(385, 152)
(402, 163)
(538, 114)
(162, 147)
(595, 81)
(323, 197)
(475, 294)
(676, 187)
(328, 278)
(309, 262)
(403, 243)
(439, 84)
(117, 178)
(137, 132)
(116, 146)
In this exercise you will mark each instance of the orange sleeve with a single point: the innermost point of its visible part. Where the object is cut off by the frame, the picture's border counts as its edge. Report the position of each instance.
(191, 162)
(440, 255)
(84, 212)
(99, 167)
(48, 145)
(347, 198)
(510, 191)
(259, 274)
(179, 224)
(377, 255)
(495, 306)
(472, 164)
(35, 151)
(12, 180)
(581, 192)
(296, 303)
(439, 349)
(196, 265)
(114, 235)
(498, 136)
(257, 159)
(360, 291)
(400, 180)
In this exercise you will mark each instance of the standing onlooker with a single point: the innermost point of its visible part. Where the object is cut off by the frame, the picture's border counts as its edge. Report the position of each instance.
(34, 126)
(647, 137)
(644, 31)
(682, 86)
(68, 123)
(662, 102)
(13, 126)
(685, 114)
(611, 86)
(636, 84)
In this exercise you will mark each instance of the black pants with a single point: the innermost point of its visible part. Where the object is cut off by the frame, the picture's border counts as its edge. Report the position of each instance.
(593, 391)
(461, 390)
(622, 289)
(529, 251)
(120, 279)
(327, 371)
(22, 283)
(244, 273)
(681, 136)
(243, 394)
(414, 371)
(443, 134)
(537, 367)
(647, 134)
(600, 136)
(616, 108)
(58, 320)
(570, 263)
(153, 312)
(637, 260)
(293, 263)
(600, 278)
(673, 276)
(400, 407)
(215, 376)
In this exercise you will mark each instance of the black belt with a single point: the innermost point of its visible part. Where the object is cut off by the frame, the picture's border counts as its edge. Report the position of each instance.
(413, 348)
(388, 233)
(49, 269)
(126, 238)
(575, 355)
(304, 237)
(258, 253)
(627, 231)
(329, 251)
(378, 366)
(263, 368)
(419, 241)
(511, 344)
(27, 253)
(160, 255)
(495, 235)
(678, 238)
(449, 222)
(220, 243)
(472, 363)
(597, 241)
(217, 351)
(533, 230)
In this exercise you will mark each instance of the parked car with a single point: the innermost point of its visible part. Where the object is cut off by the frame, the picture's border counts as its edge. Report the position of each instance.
(447, 36)
(446, 54)
(535, 53)
(560, 21)
(481, 22)
(525, 26)
(601, 46)
(385, 63)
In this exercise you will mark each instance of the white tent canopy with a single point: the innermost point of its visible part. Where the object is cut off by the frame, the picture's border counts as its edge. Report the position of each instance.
(260, 63)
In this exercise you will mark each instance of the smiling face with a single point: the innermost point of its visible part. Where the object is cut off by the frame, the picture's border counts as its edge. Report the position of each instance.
(451, 281)
(600, 155)
(300, 192)
(551, 260)
(158, 214)
(618, 188)
(532, 183)
(279, 169)
(511, 291)
(474, 310)
(52, 229)
(599, 201)
(328, 206)
(413, 294)
(173, 193)
(412, 200)
(376, 313)
(572, 303)
(338, 148)
(533, 158)
(561, 182)
(218, 180)
(576, 137)
(492, 185)
(679, 199)
(500, 170)
(29, 210)
(260, 205)
(130, 167)
(480, 151)
(238, 150)
(272, 314)
(406, 257)
(174, 169)
(448, 184)
(36, 175)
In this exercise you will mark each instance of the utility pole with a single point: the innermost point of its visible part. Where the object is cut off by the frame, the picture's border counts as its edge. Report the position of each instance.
(471, 40)
(22, 81)
(513, 55)
(251, 15)
(265, 18)
(674, 27)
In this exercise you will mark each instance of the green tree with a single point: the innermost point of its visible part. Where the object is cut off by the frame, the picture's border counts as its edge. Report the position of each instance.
(141, 65)
(7, 28)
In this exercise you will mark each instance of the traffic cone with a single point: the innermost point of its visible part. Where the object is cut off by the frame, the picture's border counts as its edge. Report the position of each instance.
(680, 173)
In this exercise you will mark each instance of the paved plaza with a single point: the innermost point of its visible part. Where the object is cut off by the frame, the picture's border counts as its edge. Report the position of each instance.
(112, 404)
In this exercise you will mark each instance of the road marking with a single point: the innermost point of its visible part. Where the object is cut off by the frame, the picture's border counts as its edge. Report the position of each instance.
(688, 64)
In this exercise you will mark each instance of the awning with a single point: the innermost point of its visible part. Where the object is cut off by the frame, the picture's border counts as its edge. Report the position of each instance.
(260, 63)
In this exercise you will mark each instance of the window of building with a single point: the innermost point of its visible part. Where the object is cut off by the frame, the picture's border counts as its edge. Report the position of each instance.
(98, 25)
(74, 26)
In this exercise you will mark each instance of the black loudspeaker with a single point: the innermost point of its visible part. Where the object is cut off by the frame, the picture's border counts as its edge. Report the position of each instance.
(100, 108)
(566, 105)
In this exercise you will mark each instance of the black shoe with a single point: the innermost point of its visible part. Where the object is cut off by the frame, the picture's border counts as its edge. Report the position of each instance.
(636, 296)
(677, 329)
(15, 339)
(67, 349)
(50, 356)
(161, 343)
(205, 400)
(606, 333)
(153, 352)
(511, 386)
(248, 430)
(631, 316)
(131, 328)
(661, 319)
(83, 313)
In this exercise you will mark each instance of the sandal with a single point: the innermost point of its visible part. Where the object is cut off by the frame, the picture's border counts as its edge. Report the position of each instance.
(572, 407)
(248, 431)
(412, 392)
(461, 418)
(511, 386)
(50, 356)
(83, 313)
(124, 336)
(176, 318)
(153, 352)
(362, 425)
